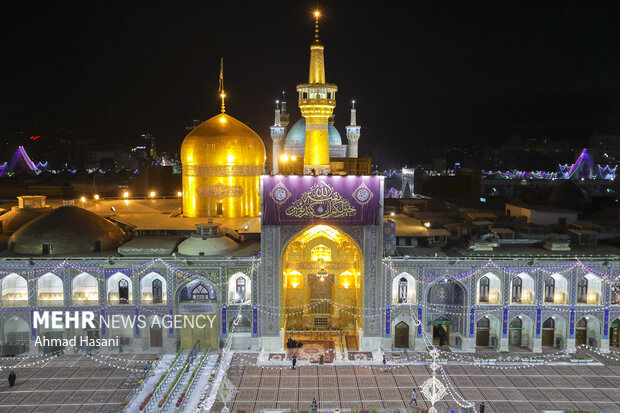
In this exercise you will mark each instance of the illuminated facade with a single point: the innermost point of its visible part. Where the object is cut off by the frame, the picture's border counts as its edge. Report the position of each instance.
(321, 265)
(222, 161)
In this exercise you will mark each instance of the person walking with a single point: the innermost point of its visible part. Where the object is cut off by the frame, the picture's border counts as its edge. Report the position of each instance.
(315, 405)
(384, 362)
(294, 360)
(414, 398)
(12, 378)
(481, 407)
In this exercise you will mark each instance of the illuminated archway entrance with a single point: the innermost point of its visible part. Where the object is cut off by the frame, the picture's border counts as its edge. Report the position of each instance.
(322, 281)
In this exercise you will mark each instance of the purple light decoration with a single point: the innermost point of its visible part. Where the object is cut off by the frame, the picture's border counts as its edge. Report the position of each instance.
(607, 172)
(21, 153)
(4, 165)
(583, 160)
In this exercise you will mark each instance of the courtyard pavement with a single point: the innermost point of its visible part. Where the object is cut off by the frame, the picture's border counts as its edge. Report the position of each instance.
(522, 390)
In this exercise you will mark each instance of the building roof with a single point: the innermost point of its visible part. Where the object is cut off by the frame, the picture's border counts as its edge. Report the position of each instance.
(66, 230)
(164, 215)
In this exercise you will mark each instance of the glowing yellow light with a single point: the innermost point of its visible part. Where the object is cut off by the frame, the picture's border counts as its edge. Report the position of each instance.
(295, 284)
(127, 202)
(222, 95)
(293, 158)
(179, 193)
(427, 224)
(317, 13)
(321, 253)
(152, 194)
(125, 194)
(284, 158)
(346, 284)
(230, 157)
(222, 119)
(96, 197)
(83, 199)
(557, 298)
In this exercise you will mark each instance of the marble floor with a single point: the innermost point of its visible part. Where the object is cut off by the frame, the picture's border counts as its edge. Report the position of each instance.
(69, 383)
(522, 390)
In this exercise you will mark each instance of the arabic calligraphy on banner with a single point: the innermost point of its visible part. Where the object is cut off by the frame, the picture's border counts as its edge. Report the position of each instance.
(350, 200)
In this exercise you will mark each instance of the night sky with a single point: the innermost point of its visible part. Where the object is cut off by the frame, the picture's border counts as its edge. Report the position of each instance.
(422, 72)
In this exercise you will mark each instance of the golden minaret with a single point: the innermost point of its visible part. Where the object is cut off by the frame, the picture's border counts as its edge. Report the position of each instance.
(317, 101)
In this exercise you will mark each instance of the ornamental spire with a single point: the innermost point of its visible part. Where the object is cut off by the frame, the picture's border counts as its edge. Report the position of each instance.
(221, 88)
(317, 64)
(317, 14)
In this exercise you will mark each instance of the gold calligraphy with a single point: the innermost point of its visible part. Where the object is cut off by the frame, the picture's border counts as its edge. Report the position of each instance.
(320, 201)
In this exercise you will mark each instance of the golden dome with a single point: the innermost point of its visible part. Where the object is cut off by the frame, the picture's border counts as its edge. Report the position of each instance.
(213, 141)
(222, 160)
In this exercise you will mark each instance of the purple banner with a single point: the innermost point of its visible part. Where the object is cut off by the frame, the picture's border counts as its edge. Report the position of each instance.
(344, 200)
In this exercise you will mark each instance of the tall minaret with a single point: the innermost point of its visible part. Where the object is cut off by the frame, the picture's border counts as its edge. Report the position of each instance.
(277, 136)
(317, 101)
(353, 134)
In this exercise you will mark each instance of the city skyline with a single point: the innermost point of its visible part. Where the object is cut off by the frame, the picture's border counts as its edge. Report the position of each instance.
(419, 72)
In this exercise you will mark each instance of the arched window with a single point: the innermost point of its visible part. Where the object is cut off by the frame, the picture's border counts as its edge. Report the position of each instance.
(402, 290)
(583, 323)
(582, 290)
(484, 323)
(123, 292)
(549, 289)
(157, 291)
(549, 323)
(200, 292)
(517, 288)
(484, 290)
(240, 289)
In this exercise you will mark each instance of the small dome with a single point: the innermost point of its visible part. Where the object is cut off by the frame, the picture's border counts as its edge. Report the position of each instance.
(297, 134)
(209, 247)
(66, 230)
(18, 217)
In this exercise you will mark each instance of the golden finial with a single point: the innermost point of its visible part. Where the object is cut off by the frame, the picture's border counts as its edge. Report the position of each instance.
(317, 14)
(221, 88)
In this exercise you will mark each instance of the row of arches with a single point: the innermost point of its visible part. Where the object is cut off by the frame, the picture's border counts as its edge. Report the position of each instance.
(119, 288)
(521, 332)
(522, 289)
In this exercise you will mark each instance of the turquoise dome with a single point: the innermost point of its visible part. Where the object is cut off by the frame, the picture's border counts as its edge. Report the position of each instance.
(297, 134)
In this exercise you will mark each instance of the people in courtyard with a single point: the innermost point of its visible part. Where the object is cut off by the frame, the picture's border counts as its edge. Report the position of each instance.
(384, 362)
(12, 378)
(315, 405)
(294, 360)
(414, 398)
(481, 407)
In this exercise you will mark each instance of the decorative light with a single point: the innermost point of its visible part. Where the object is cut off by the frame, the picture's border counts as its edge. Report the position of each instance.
(317, 13)
(427, 224)
(125, 194)
(152, 194)
(284, 158)
(96, 197)
(293, 158)
(179, 193)
(83, 199)
(230, 158)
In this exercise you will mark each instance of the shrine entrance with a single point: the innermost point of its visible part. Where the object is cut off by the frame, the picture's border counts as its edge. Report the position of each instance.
(322, 284)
